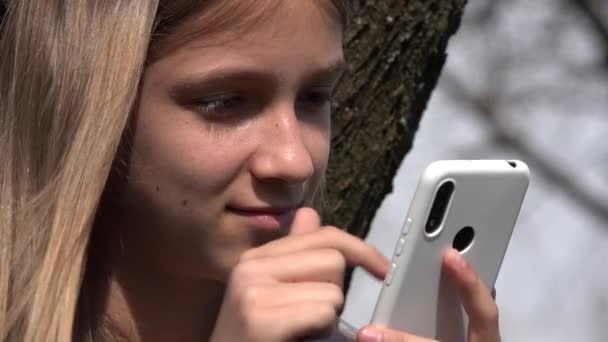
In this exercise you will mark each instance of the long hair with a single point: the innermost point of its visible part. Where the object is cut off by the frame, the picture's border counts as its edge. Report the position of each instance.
(69, 77)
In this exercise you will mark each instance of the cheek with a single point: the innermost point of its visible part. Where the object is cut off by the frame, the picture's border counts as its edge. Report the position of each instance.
(172, 150)
(317, 139)
(175, 159)
(318, 143)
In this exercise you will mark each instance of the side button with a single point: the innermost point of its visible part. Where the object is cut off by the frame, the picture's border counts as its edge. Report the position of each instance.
(406, 226)
(399, 248)
(389, 277)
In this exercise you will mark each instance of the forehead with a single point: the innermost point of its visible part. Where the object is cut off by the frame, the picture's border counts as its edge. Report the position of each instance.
(291, 40)
(217, 22)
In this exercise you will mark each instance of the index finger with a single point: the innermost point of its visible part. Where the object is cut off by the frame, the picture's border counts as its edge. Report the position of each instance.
(475, 297)
(356, 252)
(380, 334)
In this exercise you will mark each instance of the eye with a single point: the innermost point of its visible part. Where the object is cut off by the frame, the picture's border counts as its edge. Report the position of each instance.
(219, 104)
(315, 100)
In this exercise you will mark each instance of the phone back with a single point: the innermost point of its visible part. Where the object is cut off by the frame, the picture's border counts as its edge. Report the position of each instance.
(416, 296)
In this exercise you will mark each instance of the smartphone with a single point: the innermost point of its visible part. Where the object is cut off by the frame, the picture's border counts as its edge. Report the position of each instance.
(344, 333)
(469, 205)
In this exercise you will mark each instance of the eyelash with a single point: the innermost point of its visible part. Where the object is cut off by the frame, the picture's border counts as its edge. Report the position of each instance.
(318, 98)
(224, 103)
(218, 104)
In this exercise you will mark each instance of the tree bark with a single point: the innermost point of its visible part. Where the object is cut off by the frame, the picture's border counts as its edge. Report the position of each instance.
(395, 51)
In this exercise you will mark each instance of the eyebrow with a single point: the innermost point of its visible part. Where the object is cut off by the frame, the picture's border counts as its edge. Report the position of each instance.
(333, 70)
(196, 83)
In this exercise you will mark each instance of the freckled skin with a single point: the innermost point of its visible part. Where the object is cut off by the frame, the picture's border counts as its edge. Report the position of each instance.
(271, 150)
(228, 125)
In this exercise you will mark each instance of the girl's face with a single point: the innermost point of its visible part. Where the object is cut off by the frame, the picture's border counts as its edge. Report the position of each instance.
(229, 138)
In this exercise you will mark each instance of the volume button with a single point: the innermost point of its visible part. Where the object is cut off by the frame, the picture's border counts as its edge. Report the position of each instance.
(399, 248)
(406, 226)
(389, 276)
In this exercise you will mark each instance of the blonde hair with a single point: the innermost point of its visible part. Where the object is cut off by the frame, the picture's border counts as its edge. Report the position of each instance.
(69, 76)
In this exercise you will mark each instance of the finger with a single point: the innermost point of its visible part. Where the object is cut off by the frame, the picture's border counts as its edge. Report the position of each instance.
(313, 265)
(475, 297)
(305, 221)
(309, 319)
(284, 294)
(356, 252)
(380, 334)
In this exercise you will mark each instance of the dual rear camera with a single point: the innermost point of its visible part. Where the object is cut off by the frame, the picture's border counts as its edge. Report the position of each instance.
(440, 205)
(464, 238)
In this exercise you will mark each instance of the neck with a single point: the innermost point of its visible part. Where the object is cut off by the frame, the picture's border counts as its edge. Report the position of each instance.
(149, 308)
(126, 299)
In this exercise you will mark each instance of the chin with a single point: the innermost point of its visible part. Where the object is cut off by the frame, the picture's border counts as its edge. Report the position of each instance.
(223, 246)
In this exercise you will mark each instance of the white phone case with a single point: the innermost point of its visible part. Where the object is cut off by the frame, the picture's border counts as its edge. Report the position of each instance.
(416, 296)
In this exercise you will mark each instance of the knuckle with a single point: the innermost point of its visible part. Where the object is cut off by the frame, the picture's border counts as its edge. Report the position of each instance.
(337, 296)
(488, 319)
(324, 318)
(240, 271)
(250, 298)
(335, 257)
(332, 232)
(327, 313)
(247, 255)
(493, 315)
(243, 273)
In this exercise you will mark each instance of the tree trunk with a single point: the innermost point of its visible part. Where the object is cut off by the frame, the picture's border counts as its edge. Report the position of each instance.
(395, 50)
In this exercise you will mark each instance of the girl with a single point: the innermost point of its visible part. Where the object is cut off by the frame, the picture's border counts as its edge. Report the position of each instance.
(159, 157)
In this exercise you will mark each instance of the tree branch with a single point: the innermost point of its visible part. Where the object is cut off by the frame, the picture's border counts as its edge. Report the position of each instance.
(542, 165)
(487, 12)
(598, 24)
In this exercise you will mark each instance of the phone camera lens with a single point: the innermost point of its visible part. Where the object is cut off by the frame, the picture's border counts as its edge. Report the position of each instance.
(440, 204)
(463, 239)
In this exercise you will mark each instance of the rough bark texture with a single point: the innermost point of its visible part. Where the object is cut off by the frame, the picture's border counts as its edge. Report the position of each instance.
(395, 50)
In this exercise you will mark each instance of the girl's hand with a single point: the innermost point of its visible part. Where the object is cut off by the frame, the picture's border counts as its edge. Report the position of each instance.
(476, 298)
(291, 288)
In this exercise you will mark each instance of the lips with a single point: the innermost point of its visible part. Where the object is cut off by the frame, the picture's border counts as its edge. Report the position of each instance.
(264, 218)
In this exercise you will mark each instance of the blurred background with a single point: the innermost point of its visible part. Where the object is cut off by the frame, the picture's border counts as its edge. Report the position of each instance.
(525, 80)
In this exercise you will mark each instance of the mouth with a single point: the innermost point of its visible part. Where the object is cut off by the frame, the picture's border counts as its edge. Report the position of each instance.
(264, 218)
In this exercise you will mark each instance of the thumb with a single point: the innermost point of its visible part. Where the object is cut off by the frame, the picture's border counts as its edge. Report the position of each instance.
(305, 221)
(379, 334)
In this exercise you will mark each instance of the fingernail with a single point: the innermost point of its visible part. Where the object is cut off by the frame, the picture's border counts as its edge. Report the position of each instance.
(370, 334)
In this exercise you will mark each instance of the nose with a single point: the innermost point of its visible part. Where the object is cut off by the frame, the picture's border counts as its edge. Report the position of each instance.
(283, 154)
